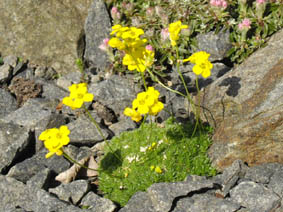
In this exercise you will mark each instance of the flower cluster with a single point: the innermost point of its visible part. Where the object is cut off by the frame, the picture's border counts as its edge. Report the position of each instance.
(145, 103)
(174, 30)
(157, 169)
(245, 24)
(202, 64)
(219, 3)
(127, 39)
(54, 139)
(78, 95)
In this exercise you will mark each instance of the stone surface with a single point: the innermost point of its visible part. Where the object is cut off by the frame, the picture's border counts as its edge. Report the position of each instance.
(163, 194)
(116, 93)
(40, 179)
(30, 167)
(215, 44)
(245, 107)
(97, 27)
(71, 192)
(29, 115)
(48, 33)
(205, 202)
(8, 103)
(276, 183)
(14, 140)
(83, 131)
(254, 197)
(139, 202)
(29, 198)
(5, 73)
(124, 124)
(97, 203)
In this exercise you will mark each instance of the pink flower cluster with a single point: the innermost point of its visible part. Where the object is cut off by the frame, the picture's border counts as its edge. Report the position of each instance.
(219, 3)
(115, 14)
(104, 45)
(245, 24)
(260, 1)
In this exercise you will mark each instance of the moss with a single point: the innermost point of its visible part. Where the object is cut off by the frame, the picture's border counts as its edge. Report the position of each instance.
(172, 148)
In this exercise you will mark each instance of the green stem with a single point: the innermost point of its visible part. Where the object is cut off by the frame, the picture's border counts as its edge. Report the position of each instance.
(187, 91)
(164, 86)
(100, 132)
(143, 79)
(75, 162)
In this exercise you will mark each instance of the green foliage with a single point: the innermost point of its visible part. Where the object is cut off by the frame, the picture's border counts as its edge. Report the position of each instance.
(1, 61)
(170, 147)
(153, 16)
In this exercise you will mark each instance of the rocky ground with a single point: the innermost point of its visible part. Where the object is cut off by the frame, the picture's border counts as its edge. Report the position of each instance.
(245, 107)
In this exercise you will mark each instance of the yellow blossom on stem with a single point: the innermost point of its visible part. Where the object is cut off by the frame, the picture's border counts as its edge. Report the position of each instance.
(78, 95)
(54, 139)
(158, 170)
(174, 30)
(136, 116)
(202, 65)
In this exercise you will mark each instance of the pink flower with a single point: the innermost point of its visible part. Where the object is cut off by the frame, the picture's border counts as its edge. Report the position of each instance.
(149, 48)
(245, 24)
(164, 34)
(218, 3)
(115, 14)
(104, 45)
(260, 1)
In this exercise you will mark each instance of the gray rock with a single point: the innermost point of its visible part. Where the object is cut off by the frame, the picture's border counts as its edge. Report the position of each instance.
(163, 194)
(124, 124)
(261, 174)
(49, 33)
(96, 203)
(6, 72)
(216, 44)
(72, 192)
(8, 103)
(11, 60)
(69, 79)
(139, 202)
(51, 91)
(230, 176)
(45, 72)
(205, 202)
(97, 27)
(30, 198)
(254, 197)
(174, 105)
(40, 179)
(116, 93)
(14, 140)
(29, 115)
(83, 131)
(276, 183)
(245, 107)
(28, 168)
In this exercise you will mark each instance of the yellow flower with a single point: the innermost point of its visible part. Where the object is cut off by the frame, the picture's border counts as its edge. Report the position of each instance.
(136, 116)
(202, 64)
(158, 170)
(197, 57)
(174, 30)
(151, 167)
(132, 33)
(78, 95)
(54, 139)
(203, 68)
(134, 63)
(116, 43)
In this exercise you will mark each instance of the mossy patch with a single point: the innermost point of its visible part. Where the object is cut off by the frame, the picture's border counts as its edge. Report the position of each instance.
(149, 150)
